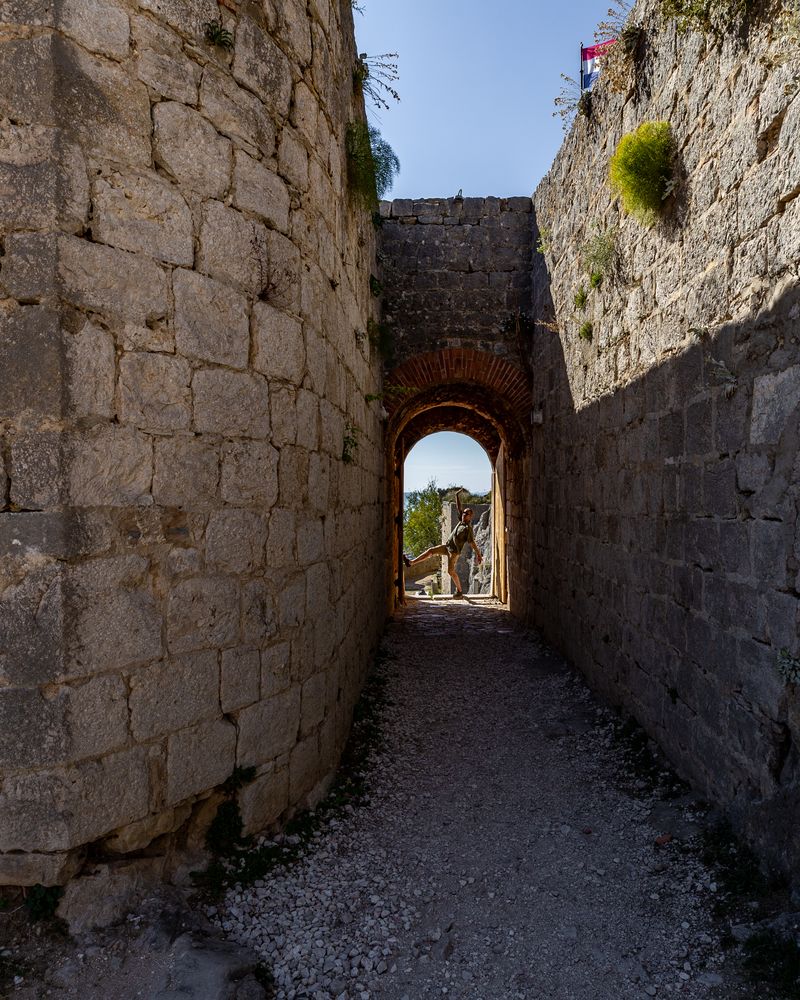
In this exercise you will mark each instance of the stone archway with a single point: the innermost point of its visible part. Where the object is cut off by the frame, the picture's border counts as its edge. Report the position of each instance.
(474, 393)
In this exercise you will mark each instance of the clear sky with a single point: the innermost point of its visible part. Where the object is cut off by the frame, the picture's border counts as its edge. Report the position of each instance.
(450, 459)
(477, 83)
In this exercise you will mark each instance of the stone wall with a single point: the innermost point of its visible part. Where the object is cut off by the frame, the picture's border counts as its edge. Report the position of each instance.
(456, 271)
(191, 576)
(665, 474)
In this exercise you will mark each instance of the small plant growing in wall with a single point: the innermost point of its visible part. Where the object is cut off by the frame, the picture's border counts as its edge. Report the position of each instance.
(217, 34)
(375, 286)
(519, 323)
(789, 22)
(349, 444)
(723, 376)
(717, 17)
(615, 21)
(390, 392)
(375, 76)
(618, 61)
(580, 299)
(41, 901)
(785, 38)
(372, 164)
(571, 101)
(641, 171)
(630, 37)
(544, 242)
(789, 667)
(380, 336)
(599, 253)
(586, 331)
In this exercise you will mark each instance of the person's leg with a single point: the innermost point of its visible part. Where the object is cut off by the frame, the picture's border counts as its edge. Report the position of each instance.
(436, 550)
(451, 569)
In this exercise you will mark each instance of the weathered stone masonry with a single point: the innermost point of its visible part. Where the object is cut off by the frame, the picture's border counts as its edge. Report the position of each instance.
(190, 573)
(665, 480)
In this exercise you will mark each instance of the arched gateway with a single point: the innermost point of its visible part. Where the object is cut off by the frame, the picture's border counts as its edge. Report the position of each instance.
(472, 392)
(457, 282)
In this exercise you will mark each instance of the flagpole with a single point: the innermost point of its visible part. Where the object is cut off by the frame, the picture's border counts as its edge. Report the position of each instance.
(580, 72)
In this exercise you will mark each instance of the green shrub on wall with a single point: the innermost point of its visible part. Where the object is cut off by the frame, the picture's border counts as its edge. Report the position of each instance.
(709, 16)
(371, 164)
(641, 170)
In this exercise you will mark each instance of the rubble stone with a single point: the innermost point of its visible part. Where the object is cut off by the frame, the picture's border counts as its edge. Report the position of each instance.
(186, 472)
(203, 613)
(268, 728)
(170, 696)
(93, 481)
(280, 350)
(231, 403)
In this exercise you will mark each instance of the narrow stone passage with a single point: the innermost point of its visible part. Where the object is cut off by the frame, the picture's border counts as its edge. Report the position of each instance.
(504, 852)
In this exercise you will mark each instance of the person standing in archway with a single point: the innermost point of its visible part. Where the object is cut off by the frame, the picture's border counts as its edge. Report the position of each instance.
(460, 536)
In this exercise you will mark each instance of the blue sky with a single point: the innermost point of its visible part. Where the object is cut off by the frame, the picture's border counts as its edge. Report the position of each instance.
(451, 459)
(477, 83)
(476, 89)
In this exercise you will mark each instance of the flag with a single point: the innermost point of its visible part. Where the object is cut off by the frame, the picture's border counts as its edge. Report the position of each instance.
(590, 62)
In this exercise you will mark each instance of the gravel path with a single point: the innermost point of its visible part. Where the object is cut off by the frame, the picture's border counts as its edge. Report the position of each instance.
(505, 853)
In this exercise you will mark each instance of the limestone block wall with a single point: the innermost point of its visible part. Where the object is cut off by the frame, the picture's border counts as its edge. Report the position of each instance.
(665, 475)
(191, 576)
(456, 270)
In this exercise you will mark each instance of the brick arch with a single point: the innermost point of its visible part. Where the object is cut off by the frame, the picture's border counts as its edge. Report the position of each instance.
(458, 364)
(455, 417)
(475, 392)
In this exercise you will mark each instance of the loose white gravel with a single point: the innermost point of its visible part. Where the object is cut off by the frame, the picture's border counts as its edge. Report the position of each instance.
(504, 853)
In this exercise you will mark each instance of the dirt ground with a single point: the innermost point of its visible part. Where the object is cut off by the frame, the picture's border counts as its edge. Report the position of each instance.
(527, 844)
(517, 842)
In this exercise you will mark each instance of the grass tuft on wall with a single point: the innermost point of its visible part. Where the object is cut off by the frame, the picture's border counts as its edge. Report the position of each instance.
(641, 170)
